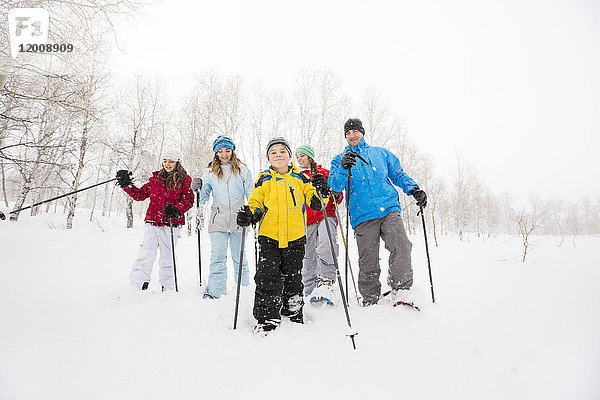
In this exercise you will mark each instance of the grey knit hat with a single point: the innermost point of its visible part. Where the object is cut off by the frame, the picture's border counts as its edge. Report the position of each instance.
(278, 141)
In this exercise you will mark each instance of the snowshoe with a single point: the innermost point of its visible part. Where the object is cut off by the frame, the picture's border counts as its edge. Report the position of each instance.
(323, 294)
(319, 300)
(401, 298)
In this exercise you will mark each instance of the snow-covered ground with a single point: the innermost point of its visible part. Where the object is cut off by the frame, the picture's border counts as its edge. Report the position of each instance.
(71, 328)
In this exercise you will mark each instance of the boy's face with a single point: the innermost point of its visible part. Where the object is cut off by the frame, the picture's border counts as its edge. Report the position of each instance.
(279, 156)
(353, 137)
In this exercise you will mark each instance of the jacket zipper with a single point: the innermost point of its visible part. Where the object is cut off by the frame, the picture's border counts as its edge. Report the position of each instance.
(165, 202)
(229, 202)
(215, 217)
(293, 198)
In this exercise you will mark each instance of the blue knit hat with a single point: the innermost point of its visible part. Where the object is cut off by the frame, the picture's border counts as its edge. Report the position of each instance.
(223, 142)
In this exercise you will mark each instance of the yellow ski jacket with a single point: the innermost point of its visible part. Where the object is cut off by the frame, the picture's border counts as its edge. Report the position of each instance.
(283, 200)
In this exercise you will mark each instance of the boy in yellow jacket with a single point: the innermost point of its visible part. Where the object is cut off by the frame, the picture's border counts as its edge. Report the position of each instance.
(277, 203)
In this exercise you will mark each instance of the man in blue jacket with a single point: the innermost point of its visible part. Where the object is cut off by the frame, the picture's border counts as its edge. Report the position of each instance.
(375, 211)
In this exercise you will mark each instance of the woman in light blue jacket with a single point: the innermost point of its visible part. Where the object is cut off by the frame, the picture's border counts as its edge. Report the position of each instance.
(230, 182)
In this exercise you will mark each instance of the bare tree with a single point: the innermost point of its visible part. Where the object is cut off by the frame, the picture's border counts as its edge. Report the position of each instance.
(37, 144)
(304, 105)
(465, 195)
(90, 91)
(436, 193)
(231, 107)
(254, 153)
(279, 112)
(199, 121)
(375, 114)
(142, 106)
(331, 105)
(573, 223)
(528, 220)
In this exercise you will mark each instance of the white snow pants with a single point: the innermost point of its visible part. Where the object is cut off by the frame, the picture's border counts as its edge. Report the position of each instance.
(155, 237)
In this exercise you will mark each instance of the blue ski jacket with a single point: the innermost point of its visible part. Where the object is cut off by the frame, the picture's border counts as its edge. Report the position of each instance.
(229, 195)
(372, 193)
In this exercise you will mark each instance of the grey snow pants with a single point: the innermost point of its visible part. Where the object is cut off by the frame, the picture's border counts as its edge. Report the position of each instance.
(400, 275)
(318, 260)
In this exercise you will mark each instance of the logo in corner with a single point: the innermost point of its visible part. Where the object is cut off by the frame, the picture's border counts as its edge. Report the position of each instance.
(27, 26)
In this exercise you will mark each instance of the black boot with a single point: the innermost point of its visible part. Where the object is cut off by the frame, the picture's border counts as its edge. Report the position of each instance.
(292, 308)
(145, 285)
(266, 326)
(297, 318)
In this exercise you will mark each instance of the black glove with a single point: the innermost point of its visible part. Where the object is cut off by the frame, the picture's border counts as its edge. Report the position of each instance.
(170, 211)
(337, 196)
(349, 160)
(420, 196)
(320, 183)
(196, 184)
(124, 178)
(315, 203)
(245, 217)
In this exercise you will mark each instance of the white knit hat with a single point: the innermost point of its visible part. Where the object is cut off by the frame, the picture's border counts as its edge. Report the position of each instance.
(172, 153)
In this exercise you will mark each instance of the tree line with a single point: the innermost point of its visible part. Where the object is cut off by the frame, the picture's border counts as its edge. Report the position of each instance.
(66, 122)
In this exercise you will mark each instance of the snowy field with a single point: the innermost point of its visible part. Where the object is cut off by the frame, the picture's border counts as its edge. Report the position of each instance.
(71, 328)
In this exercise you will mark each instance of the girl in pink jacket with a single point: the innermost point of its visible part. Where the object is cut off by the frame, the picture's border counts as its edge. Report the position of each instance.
(170, 197)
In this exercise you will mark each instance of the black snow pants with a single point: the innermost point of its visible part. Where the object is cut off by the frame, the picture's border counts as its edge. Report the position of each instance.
(279, 280)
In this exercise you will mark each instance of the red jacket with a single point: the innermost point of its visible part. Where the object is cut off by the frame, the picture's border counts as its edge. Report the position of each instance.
(313, 216)
(160, 195)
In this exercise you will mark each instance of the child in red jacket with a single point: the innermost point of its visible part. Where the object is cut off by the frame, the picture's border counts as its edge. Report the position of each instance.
(318, 271)
(170, 197)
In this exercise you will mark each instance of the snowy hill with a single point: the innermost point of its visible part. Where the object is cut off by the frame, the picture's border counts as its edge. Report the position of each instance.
(71, 328)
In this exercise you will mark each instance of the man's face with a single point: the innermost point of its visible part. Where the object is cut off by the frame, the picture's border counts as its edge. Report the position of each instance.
(353, 137)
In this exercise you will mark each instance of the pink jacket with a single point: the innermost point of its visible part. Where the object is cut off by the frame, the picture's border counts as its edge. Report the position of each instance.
(160, 195)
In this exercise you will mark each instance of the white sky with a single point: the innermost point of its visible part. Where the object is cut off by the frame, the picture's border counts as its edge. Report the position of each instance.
(512, 85)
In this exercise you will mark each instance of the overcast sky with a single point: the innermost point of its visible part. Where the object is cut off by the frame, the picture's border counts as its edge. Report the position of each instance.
(513, 86)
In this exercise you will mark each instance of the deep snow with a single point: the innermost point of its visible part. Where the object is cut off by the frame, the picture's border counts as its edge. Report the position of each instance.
(71, 328)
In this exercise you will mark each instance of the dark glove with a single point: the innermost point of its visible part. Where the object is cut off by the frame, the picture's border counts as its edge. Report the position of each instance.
(349, 160)
(124, 178)
(315, 203)
(320, 183)
(245, 217)
(337, 196)
(420, 196)
(170, 211)
(196, 184)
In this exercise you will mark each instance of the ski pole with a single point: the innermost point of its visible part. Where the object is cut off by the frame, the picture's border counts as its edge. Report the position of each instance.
(337, 213)
(239, 282)
(347, 261)
(173, 252)
(337, 270)
(3, 216)
(255, 248)
(427, 250)
(198, 233)
(348, 215)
